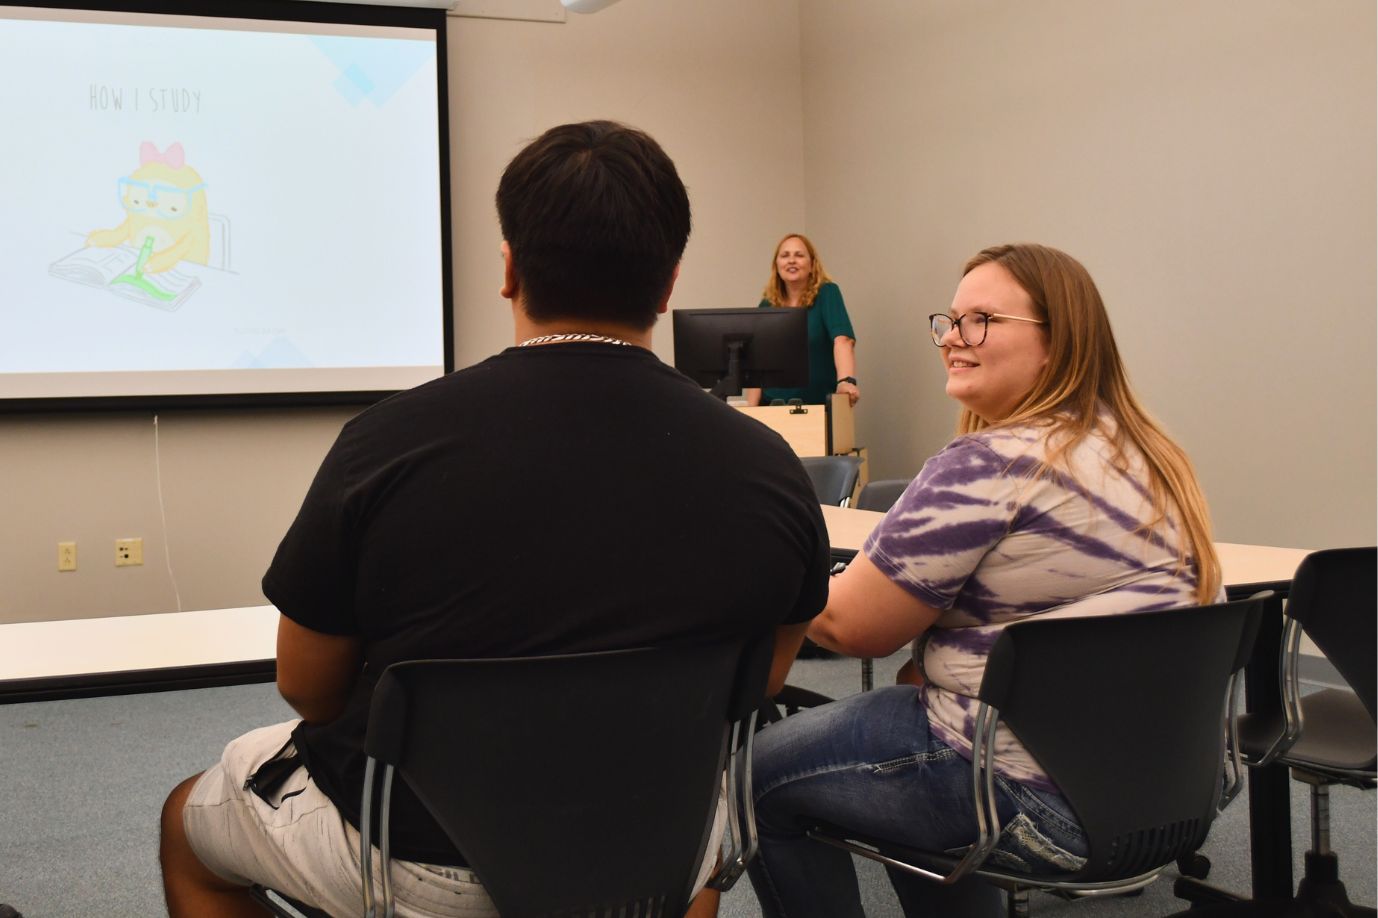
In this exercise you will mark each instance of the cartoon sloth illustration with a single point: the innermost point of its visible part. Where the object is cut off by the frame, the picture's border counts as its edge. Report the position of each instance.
(164, 201)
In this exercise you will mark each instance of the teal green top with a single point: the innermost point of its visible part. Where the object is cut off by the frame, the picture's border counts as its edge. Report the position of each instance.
(827, 320)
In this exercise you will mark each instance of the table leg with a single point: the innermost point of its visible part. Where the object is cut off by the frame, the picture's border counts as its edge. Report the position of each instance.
(1270, 802)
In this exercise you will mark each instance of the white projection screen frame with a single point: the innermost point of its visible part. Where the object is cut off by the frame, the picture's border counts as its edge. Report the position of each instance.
(222, 203)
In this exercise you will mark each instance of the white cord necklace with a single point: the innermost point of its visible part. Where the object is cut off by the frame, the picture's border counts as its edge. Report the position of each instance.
(574, 336)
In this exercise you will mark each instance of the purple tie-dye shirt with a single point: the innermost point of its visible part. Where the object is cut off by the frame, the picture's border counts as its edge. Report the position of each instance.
(986, 542)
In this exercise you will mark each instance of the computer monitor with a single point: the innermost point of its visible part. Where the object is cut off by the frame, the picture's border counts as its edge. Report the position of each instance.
(727, 349)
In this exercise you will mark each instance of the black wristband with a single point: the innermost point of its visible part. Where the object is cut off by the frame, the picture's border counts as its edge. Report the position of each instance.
(850, 379)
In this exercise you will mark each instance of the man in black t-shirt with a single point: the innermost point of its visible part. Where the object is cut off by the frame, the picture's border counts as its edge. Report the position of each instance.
(571, 493)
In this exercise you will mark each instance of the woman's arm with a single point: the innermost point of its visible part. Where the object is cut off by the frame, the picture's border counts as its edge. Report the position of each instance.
(837, 325)
(753, 397)
(868, 614)
(844, 359)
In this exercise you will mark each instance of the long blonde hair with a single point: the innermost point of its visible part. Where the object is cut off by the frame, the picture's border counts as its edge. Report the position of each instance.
(775, 288)
(1084, 376)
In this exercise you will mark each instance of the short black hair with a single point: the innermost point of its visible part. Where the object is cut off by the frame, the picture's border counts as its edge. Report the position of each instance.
(596, 218)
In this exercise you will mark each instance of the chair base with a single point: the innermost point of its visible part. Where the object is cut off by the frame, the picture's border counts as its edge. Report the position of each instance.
(8, 911)
(1320, 894)
(1195, 865)
(1017, 897)
(1203, 896)
(1242, 909)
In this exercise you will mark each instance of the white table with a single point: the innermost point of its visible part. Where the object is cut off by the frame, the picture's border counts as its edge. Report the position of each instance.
(130, 653)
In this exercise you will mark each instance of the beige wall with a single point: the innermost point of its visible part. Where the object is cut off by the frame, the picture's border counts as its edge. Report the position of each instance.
(1212, 164)
(230, 484)
(716, 81)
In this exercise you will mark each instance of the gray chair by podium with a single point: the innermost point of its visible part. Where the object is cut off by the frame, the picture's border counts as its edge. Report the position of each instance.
(1326, 737)
(834, 477)
(576, 785)
(1141, 769)
(882, 494)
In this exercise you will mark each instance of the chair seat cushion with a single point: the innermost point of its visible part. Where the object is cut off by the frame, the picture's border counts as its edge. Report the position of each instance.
(1337, 734)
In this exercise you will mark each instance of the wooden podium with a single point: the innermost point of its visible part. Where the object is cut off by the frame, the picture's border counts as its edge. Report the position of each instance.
(811, 430)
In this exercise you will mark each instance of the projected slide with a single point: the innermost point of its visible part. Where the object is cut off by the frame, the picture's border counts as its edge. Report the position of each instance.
(217, 206)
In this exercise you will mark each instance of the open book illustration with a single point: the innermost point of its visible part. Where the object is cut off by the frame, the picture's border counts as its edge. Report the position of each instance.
(120, 270)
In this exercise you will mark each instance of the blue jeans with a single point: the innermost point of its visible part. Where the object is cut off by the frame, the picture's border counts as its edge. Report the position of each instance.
(869, 764)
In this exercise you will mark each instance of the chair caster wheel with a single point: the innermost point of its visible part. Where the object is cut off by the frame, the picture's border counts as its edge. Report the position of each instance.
(9, 912)
(1196, 865)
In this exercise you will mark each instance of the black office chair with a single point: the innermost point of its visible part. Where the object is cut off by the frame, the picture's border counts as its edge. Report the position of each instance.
(834, 477)
(1128, 715)
(576, 785)
(881, 495)
(1327, 737)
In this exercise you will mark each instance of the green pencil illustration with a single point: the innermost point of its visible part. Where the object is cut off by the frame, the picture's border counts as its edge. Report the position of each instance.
(136, 276)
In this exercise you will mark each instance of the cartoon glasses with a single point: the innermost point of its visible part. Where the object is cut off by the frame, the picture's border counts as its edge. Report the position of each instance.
(166, 201)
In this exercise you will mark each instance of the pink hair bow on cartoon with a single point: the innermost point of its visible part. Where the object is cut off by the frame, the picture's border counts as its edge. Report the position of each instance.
(172, 156)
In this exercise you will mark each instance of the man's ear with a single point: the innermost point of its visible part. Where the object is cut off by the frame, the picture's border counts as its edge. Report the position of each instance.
(511, 284)
(669, 289)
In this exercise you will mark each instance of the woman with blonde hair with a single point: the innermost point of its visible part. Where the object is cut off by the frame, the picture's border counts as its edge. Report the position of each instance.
(798, 281)
(1059, 496)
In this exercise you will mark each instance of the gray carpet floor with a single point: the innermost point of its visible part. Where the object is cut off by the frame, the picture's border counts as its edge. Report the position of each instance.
(82, 783)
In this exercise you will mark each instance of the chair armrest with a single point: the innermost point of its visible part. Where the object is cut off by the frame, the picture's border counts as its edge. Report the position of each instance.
(1289, 655)
(741, 808)
(1236, 778)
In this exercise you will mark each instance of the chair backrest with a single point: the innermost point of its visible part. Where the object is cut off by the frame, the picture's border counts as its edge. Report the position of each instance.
(881, 495)
(834, 477)
(1126, 713)
(1334, 596)
(572, 785)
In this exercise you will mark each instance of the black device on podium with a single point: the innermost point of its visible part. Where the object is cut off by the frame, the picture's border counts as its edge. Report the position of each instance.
(729, 349)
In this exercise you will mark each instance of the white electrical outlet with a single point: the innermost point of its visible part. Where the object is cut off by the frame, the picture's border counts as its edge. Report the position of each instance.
(129, 552)
(66, 556)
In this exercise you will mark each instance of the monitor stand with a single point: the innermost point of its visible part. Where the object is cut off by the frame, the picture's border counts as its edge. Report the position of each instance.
(731, 382)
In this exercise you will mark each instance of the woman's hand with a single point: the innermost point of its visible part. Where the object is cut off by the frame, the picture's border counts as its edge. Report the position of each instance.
(850, 390)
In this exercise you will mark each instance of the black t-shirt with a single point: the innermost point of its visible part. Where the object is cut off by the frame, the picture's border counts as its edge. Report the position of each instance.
(562, 498)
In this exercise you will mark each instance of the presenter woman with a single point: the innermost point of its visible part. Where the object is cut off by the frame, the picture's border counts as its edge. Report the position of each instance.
(1059, 492)
(798, 281)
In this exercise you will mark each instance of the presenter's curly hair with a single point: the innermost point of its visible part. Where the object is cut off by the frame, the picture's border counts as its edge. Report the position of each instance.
(1083, 387)
(775, 288)
(596, 218)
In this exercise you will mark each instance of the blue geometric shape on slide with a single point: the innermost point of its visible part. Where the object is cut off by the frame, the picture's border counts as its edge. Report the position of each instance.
(353, 84)
(278, 354)
(373, 69)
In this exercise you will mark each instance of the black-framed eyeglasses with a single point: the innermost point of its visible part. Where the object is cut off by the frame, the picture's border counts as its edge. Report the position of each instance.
(971, 328)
